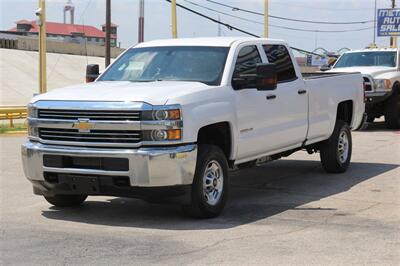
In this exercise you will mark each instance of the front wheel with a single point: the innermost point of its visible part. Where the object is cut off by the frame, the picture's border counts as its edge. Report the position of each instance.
(210, 184)
(392, 111)
(335, 152)
(66, 200)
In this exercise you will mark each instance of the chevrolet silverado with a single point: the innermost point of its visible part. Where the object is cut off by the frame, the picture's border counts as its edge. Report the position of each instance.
(170, 119)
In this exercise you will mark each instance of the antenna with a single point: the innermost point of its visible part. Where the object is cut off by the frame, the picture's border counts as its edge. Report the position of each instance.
(219, 26)
(141, 21)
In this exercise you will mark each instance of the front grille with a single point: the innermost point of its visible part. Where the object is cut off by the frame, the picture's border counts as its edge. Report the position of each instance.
(105, 115)
(99, 136)
(95, 163)
(368, 84)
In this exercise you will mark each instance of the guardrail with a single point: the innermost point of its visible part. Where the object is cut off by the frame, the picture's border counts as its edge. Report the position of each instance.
(12, 112)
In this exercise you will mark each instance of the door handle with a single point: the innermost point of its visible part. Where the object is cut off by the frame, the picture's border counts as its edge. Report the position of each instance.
(301, 91)
(271, 96)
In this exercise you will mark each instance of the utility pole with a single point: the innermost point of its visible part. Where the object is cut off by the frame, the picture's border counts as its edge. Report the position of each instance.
(173, 17)
(108, 33)
(141, 21)
(266, 32)
(393, 39)
(41, 13)
(374, 42)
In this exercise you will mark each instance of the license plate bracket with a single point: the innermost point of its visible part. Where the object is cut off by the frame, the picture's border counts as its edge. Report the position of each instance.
(85, 185)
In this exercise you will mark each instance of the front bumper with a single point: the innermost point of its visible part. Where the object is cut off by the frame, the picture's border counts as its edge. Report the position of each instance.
(148, 167)
(376, 97)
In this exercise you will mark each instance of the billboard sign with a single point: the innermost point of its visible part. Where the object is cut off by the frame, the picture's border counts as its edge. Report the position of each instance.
(315, 60)
(388, 22)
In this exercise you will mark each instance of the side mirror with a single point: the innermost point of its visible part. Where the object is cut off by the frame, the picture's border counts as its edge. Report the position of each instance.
(267, 78)
(264, 79)
(92, 72)
(325, 68)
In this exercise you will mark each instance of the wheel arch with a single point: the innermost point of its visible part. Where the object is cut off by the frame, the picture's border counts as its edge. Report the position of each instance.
(345, 111)
(219, 134)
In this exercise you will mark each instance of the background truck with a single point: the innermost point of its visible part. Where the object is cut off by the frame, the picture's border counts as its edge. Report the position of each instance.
(169, 119)
(381, 73)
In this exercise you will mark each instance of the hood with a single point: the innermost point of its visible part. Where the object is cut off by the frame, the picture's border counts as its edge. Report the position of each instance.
(155, 93)
(372, 71)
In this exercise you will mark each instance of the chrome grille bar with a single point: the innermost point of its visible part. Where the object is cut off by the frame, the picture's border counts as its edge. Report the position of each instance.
(118, 115)
(100, 136)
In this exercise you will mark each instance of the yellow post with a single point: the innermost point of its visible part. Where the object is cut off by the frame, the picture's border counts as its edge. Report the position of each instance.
(266, 33)
(394, 41)
(41, 13)
(173, 16)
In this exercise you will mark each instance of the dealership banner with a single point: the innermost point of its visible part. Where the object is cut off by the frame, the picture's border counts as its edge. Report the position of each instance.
(388, 22)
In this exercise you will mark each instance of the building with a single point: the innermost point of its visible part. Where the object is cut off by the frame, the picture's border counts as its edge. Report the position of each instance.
(73, 33)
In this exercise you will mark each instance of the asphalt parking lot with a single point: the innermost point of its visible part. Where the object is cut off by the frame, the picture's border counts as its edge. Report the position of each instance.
(286, 212)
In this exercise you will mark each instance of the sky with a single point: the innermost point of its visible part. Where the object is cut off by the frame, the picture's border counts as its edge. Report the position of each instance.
(158, 19)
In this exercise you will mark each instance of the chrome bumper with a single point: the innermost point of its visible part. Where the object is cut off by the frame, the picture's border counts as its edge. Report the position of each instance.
(148, 167)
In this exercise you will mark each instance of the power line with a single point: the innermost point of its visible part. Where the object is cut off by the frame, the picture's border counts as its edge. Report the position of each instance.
(234, 8)
(322, 8)
(230, 27)
(276, 26)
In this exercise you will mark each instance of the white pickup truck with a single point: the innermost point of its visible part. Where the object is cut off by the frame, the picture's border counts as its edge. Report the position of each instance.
(169, 119)
(380, 68)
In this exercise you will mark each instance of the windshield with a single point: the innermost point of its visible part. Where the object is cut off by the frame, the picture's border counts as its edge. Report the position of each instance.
(178, 63)
(384, 59)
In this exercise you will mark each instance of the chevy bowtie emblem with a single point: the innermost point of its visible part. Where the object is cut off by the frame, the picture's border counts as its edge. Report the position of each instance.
(83, 125)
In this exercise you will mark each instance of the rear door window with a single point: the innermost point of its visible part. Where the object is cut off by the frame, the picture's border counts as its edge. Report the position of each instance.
(279, 55)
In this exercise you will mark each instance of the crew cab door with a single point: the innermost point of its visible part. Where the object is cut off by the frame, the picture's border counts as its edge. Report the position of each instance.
(250, 105)
(291, 102)
(290, 107)
(273, 120)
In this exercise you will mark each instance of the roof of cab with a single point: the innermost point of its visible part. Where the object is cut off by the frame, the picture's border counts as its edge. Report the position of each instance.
(212, 41)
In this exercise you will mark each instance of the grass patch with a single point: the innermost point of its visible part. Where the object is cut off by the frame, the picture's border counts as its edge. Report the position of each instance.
(5, 128)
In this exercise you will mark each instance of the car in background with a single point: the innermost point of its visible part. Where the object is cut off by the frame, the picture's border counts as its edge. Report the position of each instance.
(381, 73)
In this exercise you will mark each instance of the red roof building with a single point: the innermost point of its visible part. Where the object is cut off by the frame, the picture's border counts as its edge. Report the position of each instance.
(66, 32)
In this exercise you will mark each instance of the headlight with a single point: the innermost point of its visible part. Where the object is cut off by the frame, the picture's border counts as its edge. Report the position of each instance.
(162, 135)
(32, 111)
(383, 84)
(33, 131)
(162, 114)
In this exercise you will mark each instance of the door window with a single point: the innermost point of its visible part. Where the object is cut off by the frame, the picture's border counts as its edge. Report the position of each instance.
(279, 55)
(247, 60)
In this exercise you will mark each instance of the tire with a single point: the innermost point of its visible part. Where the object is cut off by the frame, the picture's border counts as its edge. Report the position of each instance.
(66, 200)
(210, 204)
(392, 111)
(335, 152)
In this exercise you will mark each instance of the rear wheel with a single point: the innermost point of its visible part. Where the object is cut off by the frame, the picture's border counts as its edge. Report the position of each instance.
(66, 200)
(210, 184)
(336, 151)
(392, 111)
